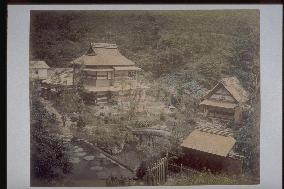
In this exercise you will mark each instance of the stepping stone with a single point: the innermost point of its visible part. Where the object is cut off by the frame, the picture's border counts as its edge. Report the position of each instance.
(75, 160)
(89, 158)
(78, 150)
(80, 154)
(101, 156)
(96, 168)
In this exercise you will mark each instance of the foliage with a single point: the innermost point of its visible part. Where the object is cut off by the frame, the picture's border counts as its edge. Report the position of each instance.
(110, 137)
(49, 159)
(158, 41)
(69, 101)
(247, 143)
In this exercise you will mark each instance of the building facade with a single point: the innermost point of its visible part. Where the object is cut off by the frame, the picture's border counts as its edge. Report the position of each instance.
(225, 100)
(105, 73)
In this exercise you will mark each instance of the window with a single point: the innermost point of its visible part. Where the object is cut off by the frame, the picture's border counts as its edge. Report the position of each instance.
(108, 75)
(36, 71)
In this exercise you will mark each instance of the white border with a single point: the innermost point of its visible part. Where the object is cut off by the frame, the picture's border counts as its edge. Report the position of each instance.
(17, 84)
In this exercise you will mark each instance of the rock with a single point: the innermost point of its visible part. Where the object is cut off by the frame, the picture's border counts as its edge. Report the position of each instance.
(101, 156)
(89, 158)
(96, 168)
(80, 154)
(78, 150)
(75, 160)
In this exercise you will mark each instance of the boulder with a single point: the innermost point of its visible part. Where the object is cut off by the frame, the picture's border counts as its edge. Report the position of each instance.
(96, 168)
(89, 158)
(80, 154)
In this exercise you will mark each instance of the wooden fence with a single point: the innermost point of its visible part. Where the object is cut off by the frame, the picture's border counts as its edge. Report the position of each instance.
(174, 169)
(156, 174)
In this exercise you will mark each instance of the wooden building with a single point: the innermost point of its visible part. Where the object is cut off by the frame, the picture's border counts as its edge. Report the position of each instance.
(106, 73)
(38, 70)
(225, 100)
(212, 149)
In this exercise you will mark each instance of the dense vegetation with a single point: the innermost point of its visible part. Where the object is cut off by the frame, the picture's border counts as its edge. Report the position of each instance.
(210, 44)
(49, 159)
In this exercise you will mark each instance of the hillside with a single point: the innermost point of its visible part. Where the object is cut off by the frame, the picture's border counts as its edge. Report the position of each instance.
(209, 44)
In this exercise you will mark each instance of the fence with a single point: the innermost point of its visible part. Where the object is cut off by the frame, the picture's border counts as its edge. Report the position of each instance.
(174, 169)
(156, 174)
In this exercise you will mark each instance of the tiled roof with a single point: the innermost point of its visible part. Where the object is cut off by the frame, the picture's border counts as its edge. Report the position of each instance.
(38, 64)
(213, 143)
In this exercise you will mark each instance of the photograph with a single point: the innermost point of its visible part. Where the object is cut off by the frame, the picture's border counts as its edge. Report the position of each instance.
(144, 97)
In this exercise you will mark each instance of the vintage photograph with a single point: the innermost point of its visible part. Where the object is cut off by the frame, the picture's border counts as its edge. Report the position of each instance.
(144, 98)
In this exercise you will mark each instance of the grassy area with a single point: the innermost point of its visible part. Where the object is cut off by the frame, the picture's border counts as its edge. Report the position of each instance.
(207, 178)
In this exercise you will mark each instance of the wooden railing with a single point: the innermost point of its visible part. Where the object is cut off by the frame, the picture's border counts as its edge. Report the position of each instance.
(156, 173)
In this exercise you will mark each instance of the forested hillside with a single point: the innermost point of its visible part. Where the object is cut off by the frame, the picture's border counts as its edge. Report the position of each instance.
(203, 44)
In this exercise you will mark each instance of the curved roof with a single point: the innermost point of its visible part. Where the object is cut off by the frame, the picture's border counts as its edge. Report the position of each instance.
(103, 54)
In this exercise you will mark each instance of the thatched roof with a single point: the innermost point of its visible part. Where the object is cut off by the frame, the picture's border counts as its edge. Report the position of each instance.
(210, 143)
(38, 65)
(103, 54)
(233, 86)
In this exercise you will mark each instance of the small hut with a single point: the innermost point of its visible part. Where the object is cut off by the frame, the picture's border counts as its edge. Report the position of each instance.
(38, 70)
(212, 149)
(225, 100)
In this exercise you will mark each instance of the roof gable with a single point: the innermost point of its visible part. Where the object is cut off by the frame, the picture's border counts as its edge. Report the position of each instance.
(233, 86)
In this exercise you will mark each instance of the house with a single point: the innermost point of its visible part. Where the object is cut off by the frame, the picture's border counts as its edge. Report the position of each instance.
(211, 148)
(225, 100)
(106, 73)
(38, 70)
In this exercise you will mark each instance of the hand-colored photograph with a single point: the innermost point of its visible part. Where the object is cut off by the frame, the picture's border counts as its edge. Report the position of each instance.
(144, 98)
